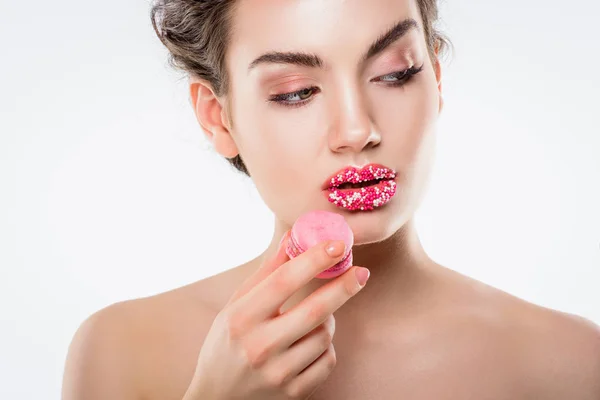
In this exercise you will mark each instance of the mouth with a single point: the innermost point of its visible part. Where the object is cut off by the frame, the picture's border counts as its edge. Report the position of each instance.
(359, 185)
(366, 188)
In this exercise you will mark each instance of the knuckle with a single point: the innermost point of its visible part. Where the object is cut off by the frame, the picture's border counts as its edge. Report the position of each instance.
(256, 358)
(330, 325)
(331, 322)
(294, 392)
(326, 333)
(257, 355)
(233, 325)
(331, 358)
(278, 378)
(317, 257)
(325, 339)
(281, 281)
(316, 313)
(350, 286)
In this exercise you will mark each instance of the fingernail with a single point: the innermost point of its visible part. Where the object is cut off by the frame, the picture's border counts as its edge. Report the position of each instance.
(362, 275)
(336, 248)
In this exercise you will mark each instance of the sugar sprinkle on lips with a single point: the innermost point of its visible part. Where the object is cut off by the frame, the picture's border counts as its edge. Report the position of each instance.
(362, 188)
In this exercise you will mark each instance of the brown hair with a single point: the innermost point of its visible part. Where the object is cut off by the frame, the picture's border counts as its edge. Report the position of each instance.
(196, 33)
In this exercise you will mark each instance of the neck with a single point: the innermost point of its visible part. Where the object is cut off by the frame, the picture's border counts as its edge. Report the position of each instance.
(398, 266)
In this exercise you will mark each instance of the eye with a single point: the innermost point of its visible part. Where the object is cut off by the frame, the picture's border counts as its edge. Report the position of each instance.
(303, 96)
(399, 78)
(396, 76)
(305, 93)
(295, 99)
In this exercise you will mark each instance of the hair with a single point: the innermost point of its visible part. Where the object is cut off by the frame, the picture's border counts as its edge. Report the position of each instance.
(197, 33)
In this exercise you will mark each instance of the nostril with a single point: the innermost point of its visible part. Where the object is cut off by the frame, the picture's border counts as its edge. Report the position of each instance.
(372, 145)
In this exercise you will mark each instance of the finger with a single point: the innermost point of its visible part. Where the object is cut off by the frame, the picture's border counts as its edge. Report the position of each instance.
(313, 310)
(313, 376)
(303, 352)
(264, 300)
(266, 268)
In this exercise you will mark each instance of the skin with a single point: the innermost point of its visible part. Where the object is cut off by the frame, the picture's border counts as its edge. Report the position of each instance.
(417, 330)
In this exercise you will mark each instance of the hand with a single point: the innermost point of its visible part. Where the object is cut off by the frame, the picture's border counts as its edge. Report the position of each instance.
(254, 352)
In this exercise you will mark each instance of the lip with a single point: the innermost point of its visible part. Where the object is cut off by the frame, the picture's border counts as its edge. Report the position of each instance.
(355, 174)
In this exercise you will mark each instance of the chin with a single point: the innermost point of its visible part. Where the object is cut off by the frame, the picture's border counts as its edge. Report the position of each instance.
(375, 225)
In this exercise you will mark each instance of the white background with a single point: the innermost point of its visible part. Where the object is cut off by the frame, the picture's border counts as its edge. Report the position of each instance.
(104, 170)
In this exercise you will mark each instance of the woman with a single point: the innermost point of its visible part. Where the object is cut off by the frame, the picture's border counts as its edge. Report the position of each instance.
(295, 93)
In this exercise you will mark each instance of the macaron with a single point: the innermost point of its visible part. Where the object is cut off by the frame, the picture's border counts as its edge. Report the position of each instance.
(317, 226)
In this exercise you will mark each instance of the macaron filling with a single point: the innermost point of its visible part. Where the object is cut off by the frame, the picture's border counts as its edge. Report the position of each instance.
(293, 249)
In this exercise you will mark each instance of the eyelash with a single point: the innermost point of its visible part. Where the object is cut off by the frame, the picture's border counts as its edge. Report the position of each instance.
(403, 77)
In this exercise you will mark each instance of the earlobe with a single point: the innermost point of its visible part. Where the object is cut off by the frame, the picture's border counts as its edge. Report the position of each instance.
(441, 104)
(209, 110)
(438, 78)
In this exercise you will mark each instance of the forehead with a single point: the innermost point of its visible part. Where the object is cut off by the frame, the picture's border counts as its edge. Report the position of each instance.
(335, 29)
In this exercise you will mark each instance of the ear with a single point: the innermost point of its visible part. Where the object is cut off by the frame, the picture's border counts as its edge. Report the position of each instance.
(211, 116)
(438, 77)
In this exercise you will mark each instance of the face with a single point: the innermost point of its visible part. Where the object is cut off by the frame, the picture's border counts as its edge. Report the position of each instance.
(299, 120)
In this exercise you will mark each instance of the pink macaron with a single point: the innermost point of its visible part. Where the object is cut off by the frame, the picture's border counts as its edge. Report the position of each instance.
(317, 226)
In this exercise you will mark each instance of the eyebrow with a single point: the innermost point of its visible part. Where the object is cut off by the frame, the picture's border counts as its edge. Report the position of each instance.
(312, 60)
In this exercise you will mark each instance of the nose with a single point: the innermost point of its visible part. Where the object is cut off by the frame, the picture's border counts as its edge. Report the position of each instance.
(353, 130)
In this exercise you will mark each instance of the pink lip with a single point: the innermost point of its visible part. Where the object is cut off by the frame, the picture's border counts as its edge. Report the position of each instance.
(365, 198)
(358, 174)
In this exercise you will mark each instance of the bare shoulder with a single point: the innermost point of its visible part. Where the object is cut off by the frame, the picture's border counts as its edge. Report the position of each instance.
(117, 349)
(555, 354)
(561, 351)
(97, 365)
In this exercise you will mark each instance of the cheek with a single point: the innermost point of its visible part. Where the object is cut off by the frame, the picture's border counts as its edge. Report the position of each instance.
(407, 118)
(273, 135)
(276, 145)
(272, 144)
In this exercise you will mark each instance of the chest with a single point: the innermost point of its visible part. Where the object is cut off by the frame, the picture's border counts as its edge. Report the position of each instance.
(417, 373)
(366, 383)
(414, 363)
(385, 371)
